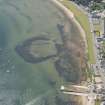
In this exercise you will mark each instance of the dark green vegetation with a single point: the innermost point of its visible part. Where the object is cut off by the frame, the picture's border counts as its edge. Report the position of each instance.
(83, 2)
(86, 2)
(97, 102)
(97, 6)
(92, 4)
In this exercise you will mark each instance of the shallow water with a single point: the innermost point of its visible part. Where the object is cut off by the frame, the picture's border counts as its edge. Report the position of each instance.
(23, 83)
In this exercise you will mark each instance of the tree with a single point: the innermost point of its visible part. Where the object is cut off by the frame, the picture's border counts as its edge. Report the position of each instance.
(97, 6)
(83, 2)
(86, 2)
(98, 1)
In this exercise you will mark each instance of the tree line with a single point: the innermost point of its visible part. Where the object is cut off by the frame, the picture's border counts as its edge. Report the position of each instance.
(86, 2)
(92, 4)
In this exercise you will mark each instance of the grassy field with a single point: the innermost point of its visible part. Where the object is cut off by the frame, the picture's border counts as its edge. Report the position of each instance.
(97, 102)
(83, 20)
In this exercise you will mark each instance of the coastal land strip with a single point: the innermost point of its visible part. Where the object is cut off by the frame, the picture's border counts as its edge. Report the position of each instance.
(71, 17)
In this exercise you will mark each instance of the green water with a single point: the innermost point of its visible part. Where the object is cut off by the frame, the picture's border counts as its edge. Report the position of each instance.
(20, 81)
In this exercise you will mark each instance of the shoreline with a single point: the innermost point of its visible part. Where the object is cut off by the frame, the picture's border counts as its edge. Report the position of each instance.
(71, 17)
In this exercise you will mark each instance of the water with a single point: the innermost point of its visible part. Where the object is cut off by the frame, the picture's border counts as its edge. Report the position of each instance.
(21, 83)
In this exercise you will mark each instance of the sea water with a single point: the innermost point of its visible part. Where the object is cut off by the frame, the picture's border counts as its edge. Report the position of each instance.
(21, 82)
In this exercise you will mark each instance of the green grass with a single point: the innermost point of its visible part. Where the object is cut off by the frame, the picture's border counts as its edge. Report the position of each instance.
(89, 74)
(97, 102)
(83, 20)
(97, 27)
